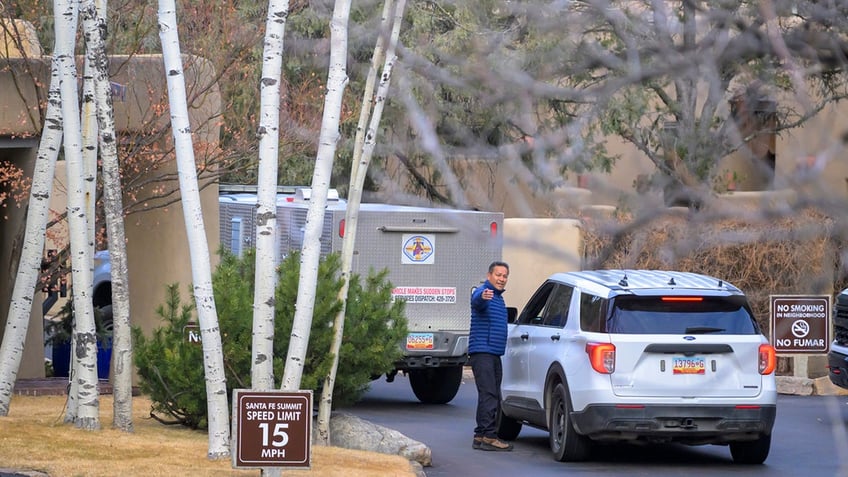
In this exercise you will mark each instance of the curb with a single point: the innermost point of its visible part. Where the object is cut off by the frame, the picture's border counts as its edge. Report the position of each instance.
(800, 386)
(21, 473)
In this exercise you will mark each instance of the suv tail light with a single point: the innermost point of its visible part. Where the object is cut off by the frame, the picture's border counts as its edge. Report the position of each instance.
(602, 357)
(768, 359)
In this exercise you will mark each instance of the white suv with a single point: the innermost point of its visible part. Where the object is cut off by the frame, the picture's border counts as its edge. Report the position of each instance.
(639, 356)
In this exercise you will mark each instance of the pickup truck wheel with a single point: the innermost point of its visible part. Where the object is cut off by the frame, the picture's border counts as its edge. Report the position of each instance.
(508, 428)
(566, 444)
(435, 385)
(105, 317)
(750, 452)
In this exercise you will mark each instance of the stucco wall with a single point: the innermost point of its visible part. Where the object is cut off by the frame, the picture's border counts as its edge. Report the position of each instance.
(535, 249)
(12, 222)
(157, 246)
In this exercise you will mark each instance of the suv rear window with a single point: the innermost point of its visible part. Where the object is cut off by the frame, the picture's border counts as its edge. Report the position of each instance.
(681, 315)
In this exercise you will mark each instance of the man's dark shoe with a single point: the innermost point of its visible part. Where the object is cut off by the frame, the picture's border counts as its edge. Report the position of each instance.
(494, 444)
(478, 440)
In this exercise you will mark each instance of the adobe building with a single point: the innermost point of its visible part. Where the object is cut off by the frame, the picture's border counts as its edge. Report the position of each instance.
(157, 246)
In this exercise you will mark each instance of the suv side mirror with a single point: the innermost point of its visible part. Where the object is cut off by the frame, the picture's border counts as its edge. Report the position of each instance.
(511, 314)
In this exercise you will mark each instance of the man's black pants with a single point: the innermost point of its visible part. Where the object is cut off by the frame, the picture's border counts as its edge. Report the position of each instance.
(487, 375)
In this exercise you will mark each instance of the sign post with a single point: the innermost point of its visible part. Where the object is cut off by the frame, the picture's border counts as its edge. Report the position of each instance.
(799, 323)
(272, 429)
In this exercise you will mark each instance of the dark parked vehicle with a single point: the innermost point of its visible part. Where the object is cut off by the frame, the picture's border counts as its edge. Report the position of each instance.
(837, 358)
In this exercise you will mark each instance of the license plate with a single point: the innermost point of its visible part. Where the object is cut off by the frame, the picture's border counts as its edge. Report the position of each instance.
(419, 341)
(689, 364)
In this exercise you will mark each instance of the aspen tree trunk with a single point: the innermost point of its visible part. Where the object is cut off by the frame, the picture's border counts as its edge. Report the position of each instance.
(89, 144)
(84, 398)
(94, 23)
(201, 270)
(311, 251)
(262, 369)
(89, 184)
(38, 212)
(362, 153)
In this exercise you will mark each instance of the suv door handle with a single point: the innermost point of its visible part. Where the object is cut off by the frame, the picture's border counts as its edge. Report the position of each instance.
(525, 336)
(555, 337)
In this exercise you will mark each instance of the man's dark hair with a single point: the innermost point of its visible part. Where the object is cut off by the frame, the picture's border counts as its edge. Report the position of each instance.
(498, 263)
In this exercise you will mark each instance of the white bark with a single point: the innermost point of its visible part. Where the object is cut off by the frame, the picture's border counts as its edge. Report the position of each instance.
(262, 370)
(362, 153)
(89, 168)
(201, 271)
(83, 401)
(38, 211)
(311, 251)
(89, 144)
(122, 365)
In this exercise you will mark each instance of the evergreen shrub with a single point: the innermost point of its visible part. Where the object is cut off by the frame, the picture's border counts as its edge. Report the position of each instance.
(171, 368)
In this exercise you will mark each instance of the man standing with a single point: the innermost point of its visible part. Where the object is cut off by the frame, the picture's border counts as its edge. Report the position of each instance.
(486, 345)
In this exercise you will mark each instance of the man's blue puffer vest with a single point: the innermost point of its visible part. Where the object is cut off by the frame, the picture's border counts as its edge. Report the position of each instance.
(488, 322)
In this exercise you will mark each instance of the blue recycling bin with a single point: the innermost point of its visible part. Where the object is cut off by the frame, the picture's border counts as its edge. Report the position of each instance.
(62, 358)
(104, 358)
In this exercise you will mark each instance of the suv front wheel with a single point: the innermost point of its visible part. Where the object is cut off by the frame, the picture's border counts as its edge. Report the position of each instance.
(508, 428)
(566, 444)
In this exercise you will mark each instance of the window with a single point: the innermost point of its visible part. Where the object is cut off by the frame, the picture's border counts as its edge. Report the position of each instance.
(591, 311)
(235, 236)
(533, 313)
(556, 313)
(653, 315)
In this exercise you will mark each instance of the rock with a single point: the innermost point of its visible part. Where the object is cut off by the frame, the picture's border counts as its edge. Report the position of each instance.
(824, 387)
(418, 468)
(351, 432)
(794, 385)
(22, 473)
(800, 386)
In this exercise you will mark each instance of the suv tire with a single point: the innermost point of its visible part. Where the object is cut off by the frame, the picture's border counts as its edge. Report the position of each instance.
(508, 428)
(566, 444)
(751, 452)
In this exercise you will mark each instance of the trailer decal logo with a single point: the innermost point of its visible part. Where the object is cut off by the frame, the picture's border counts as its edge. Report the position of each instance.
(418, 249)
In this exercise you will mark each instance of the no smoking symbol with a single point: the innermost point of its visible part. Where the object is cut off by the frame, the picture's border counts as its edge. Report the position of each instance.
(800, 328)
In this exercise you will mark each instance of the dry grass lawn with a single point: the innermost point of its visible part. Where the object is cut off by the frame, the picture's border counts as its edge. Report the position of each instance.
(33, 437)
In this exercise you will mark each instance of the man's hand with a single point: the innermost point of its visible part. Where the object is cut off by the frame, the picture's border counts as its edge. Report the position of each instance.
(488, 294)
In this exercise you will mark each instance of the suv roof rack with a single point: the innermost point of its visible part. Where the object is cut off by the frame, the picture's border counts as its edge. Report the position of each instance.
(618, 279)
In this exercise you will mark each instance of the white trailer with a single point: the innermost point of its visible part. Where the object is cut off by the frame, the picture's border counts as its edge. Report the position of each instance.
(435, 257)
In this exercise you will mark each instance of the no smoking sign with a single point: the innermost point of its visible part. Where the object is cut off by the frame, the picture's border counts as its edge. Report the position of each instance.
(800, 324)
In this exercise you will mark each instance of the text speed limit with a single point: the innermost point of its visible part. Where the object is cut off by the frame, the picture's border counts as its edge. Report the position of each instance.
(272, 429)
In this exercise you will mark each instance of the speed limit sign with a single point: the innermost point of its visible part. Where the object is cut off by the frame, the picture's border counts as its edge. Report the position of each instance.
(272, 429)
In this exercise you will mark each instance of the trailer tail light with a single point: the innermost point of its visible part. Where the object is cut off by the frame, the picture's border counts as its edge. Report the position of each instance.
(341, 228)
(493, 229)
(768, 359)
(602, 357)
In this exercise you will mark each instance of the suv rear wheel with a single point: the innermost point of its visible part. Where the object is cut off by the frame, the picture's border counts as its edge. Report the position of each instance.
(750, 452)
(566, 443)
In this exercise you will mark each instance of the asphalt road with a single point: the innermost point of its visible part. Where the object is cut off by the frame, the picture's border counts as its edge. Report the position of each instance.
(810, 439)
